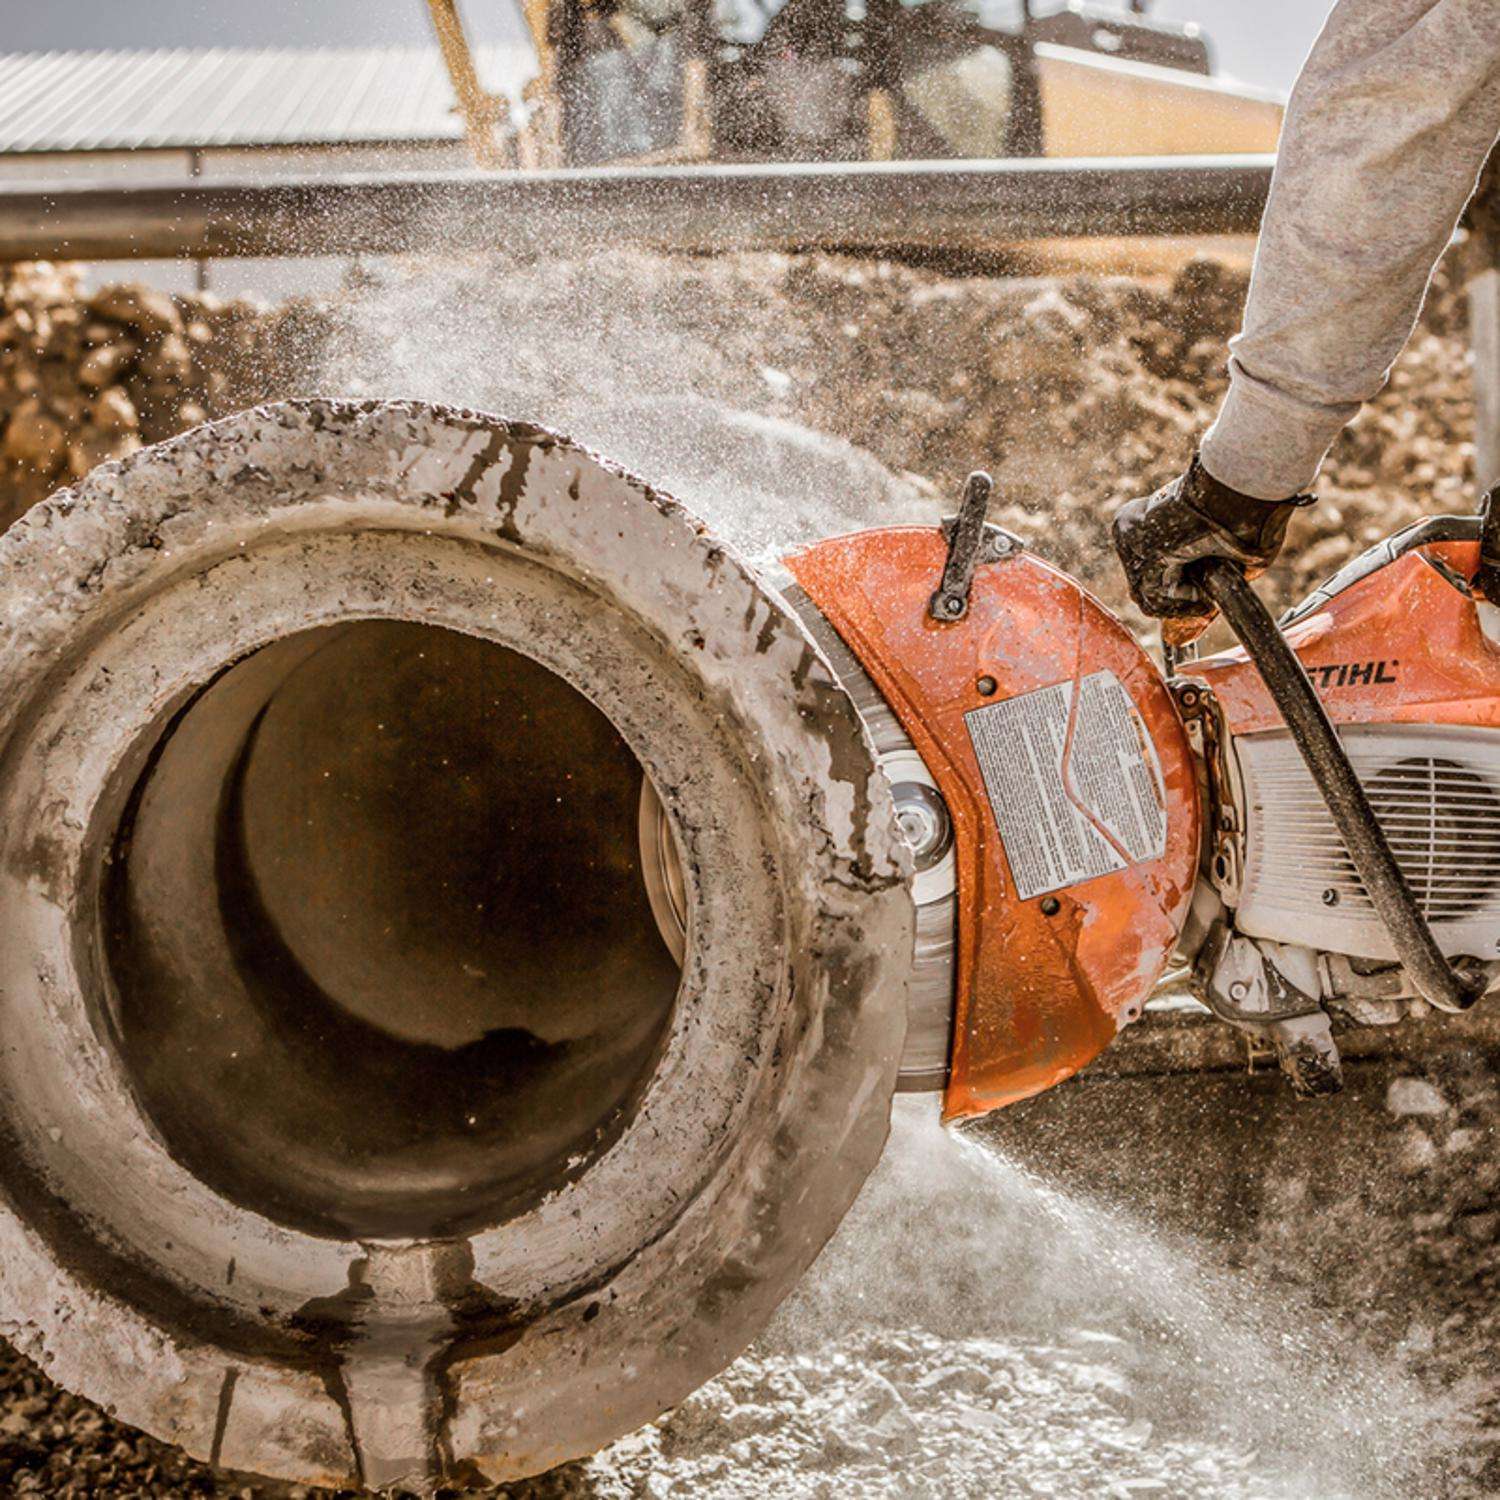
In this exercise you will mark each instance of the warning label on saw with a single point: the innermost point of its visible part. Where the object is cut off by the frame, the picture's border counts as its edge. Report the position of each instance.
(1076, 790)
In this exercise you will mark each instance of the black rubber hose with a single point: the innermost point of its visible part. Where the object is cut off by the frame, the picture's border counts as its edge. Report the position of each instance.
(1488, 578)
(1313, 733)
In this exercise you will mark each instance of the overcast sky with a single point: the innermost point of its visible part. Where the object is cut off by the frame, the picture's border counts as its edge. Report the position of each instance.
(1257, 41)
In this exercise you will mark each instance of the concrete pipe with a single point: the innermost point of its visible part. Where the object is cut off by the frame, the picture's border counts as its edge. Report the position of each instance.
(360, 1127)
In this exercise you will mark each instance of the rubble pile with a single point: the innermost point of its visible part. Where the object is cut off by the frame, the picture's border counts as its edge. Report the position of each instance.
(85, 379)
(1076, 392)
(1083, 392)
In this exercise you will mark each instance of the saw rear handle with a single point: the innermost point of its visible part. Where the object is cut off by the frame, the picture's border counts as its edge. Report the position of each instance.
(1438, 981)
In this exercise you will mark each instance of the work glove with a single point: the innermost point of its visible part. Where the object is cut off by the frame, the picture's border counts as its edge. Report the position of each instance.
(1191, 518)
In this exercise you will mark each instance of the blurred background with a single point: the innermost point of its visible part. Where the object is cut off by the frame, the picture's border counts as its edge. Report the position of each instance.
(164, 90)
(1259, 44)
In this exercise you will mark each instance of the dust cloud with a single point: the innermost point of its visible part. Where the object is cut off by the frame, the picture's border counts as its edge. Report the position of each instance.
(786, 396)
(974, 1331)
(1271, 1395)
(631, 357)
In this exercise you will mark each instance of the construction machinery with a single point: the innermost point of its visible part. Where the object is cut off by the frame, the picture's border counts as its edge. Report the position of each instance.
(642, 81)
(461, 928)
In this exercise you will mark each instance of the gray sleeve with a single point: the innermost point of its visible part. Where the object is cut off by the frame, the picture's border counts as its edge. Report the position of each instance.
(1387, 129)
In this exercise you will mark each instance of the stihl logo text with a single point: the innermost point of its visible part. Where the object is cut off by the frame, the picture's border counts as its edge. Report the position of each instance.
(1353, 673)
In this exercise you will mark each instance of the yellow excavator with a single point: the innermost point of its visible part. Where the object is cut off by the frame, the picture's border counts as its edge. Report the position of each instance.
(643, 81)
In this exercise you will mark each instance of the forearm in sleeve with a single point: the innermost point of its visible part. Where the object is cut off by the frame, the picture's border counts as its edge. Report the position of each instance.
(1387, 128)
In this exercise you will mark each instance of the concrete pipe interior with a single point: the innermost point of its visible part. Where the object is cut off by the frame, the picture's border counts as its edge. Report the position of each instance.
(383, 959)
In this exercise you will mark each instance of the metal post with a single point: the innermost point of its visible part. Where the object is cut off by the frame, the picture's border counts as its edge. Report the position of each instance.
(737, 206)
(481, 111)
(1483, 258)
(882, 132)
(696, 138)
(200, 265)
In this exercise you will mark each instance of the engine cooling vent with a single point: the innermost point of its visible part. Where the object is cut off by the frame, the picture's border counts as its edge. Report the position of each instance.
(1436, 792)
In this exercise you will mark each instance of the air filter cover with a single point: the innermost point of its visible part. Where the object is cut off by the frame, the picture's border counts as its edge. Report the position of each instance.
(1436, 792)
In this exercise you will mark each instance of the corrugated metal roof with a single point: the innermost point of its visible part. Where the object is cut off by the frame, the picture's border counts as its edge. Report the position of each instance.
(118, 101)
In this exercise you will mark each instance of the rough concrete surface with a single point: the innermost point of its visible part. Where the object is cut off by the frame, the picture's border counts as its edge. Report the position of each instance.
(376, 1349)
(1160, 1285)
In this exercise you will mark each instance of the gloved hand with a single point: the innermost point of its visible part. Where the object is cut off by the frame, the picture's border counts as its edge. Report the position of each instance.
(1195, 516)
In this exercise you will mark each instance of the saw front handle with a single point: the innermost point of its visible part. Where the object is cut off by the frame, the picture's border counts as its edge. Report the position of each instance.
(1438, 981)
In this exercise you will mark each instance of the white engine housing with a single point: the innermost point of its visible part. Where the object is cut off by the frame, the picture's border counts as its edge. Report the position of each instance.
(1436, 791)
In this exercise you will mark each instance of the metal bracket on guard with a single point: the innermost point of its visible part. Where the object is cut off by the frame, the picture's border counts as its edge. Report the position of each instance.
(1239, 983)
(970, 542)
